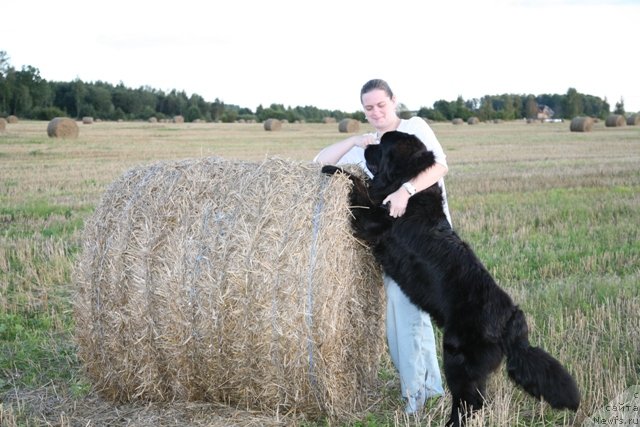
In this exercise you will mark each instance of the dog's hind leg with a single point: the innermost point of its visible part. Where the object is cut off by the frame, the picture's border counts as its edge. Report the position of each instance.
(466, 374)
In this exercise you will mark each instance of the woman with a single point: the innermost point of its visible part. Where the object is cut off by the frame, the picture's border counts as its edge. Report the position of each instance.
(409, 331)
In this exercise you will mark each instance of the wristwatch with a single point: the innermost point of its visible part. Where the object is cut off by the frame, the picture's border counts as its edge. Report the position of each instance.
(410, 188)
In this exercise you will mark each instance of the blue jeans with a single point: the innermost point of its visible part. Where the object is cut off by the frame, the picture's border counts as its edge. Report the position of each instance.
(413, 348)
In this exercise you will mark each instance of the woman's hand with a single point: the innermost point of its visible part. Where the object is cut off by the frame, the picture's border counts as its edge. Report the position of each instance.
(397, 202)
(366, 139)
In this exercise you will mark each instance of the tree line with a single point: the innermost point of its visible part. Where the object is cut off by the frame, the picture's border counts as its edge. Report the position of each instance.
(24, 93)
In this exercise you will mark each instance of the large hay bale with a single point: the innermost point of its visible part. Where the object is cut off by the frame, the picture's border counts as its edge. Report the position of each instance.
(232, 282)
(178, 119)
(457, 121)
(473, 120)
(615, 120)
(12, 119)
(3, 124)
(348, 126)
(87, 120)
(272, 124)
(581, 124)
(63, 127)
(633, 120)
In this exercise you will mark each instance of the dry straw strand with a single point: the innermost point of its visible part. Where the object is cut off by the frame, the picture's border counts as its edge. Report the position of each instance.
(348, 126)
(272, 124)
(204, 280)
(615, 120)
(581, 124)
(63, 127)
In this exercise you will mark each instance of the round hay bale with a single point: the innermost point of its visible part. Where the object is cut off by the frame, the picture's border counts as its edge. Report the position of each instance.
(329, 120)
(178, 119)
(153, 120)
(457, 121)
(633, 120)
(3, 124)
(348, 126)
(615, 120)
(581, 124)
(272, 124)
(204, 280)
(12, 119)
(473, 120)
(87, 120)
(63, 127)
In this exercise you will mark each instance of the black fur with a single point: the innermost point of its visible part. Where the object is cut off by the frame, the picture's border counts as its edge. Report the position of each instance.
(441, 274)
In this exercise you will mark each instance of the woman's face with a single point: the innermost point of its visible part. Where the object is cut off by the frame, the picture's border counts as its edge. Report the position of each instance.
(379, 109)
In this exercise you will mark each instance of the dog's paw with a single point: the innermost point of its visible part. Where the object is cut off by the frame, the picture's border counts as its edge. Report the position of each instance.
(331, 170)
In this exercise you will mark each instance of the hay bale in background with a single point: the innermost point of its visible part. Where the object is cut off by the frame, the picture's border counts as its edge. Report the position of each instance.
(633, 120)
(152, 120)
(272, 124)
(63, 127)
(457, 121)
(87, 120)
(206, 280)
(473, 120)
(12, 119)
(3, 124)
(329, 120)
(178, 119)
(581, 124)
(615, 120)
(348, 126)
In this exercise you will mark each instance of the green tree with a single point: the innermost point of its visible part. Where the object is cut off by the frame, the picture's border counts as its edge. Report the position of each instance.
(531, 107)
(573, 104)
(78, 89)
(619, 107)
(486, 111)
(97, 101)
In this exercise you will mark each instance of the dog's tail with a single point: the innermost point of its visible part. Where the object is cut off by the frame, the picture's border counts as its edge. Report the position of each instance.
(537, 372)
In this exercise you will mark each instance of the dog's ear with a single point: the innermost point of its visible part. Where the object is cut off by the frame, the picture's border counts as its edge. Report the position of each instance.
(373, 156)
(421, 159)
(408, 152)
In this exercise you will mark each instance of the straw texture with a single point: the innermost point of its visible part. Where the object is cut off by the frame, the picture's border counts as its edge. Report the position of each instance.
(62, 127)
(348, 126)
(232, 282)
(581, 124)
(615, 120)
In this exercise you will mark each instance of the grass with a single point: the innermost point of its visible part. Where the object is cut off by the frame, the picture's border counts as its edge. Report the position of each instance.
(553, 215)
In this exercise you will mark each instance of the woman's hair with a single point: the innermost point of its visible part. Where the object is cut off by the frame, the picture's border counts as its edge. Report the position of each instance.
(376, 84)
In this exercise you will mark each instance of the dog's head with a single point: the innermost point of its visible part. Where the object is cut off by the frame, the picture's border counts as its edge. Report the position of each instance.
(398, 158)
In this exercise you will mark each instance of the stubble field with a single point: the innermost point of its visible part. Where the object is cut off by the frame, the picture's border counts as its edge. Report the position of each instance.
(554, 215)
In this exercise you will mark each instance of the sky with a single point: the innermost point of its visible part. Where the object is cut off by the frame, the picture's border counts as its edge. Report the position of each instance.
(301, 53)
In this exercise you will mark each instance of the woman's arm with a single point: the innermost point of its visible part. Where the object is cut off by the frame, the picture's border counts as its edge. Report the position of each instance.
(333, 153)
(400, 198)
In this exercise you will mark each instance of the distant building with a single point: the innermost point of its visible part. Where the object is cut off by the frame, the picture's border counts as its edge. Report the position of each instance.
(544, 112)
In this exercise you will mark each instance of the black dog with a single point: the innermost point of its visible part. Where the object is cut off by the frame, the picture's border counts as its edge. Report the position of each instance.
(441, 274)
